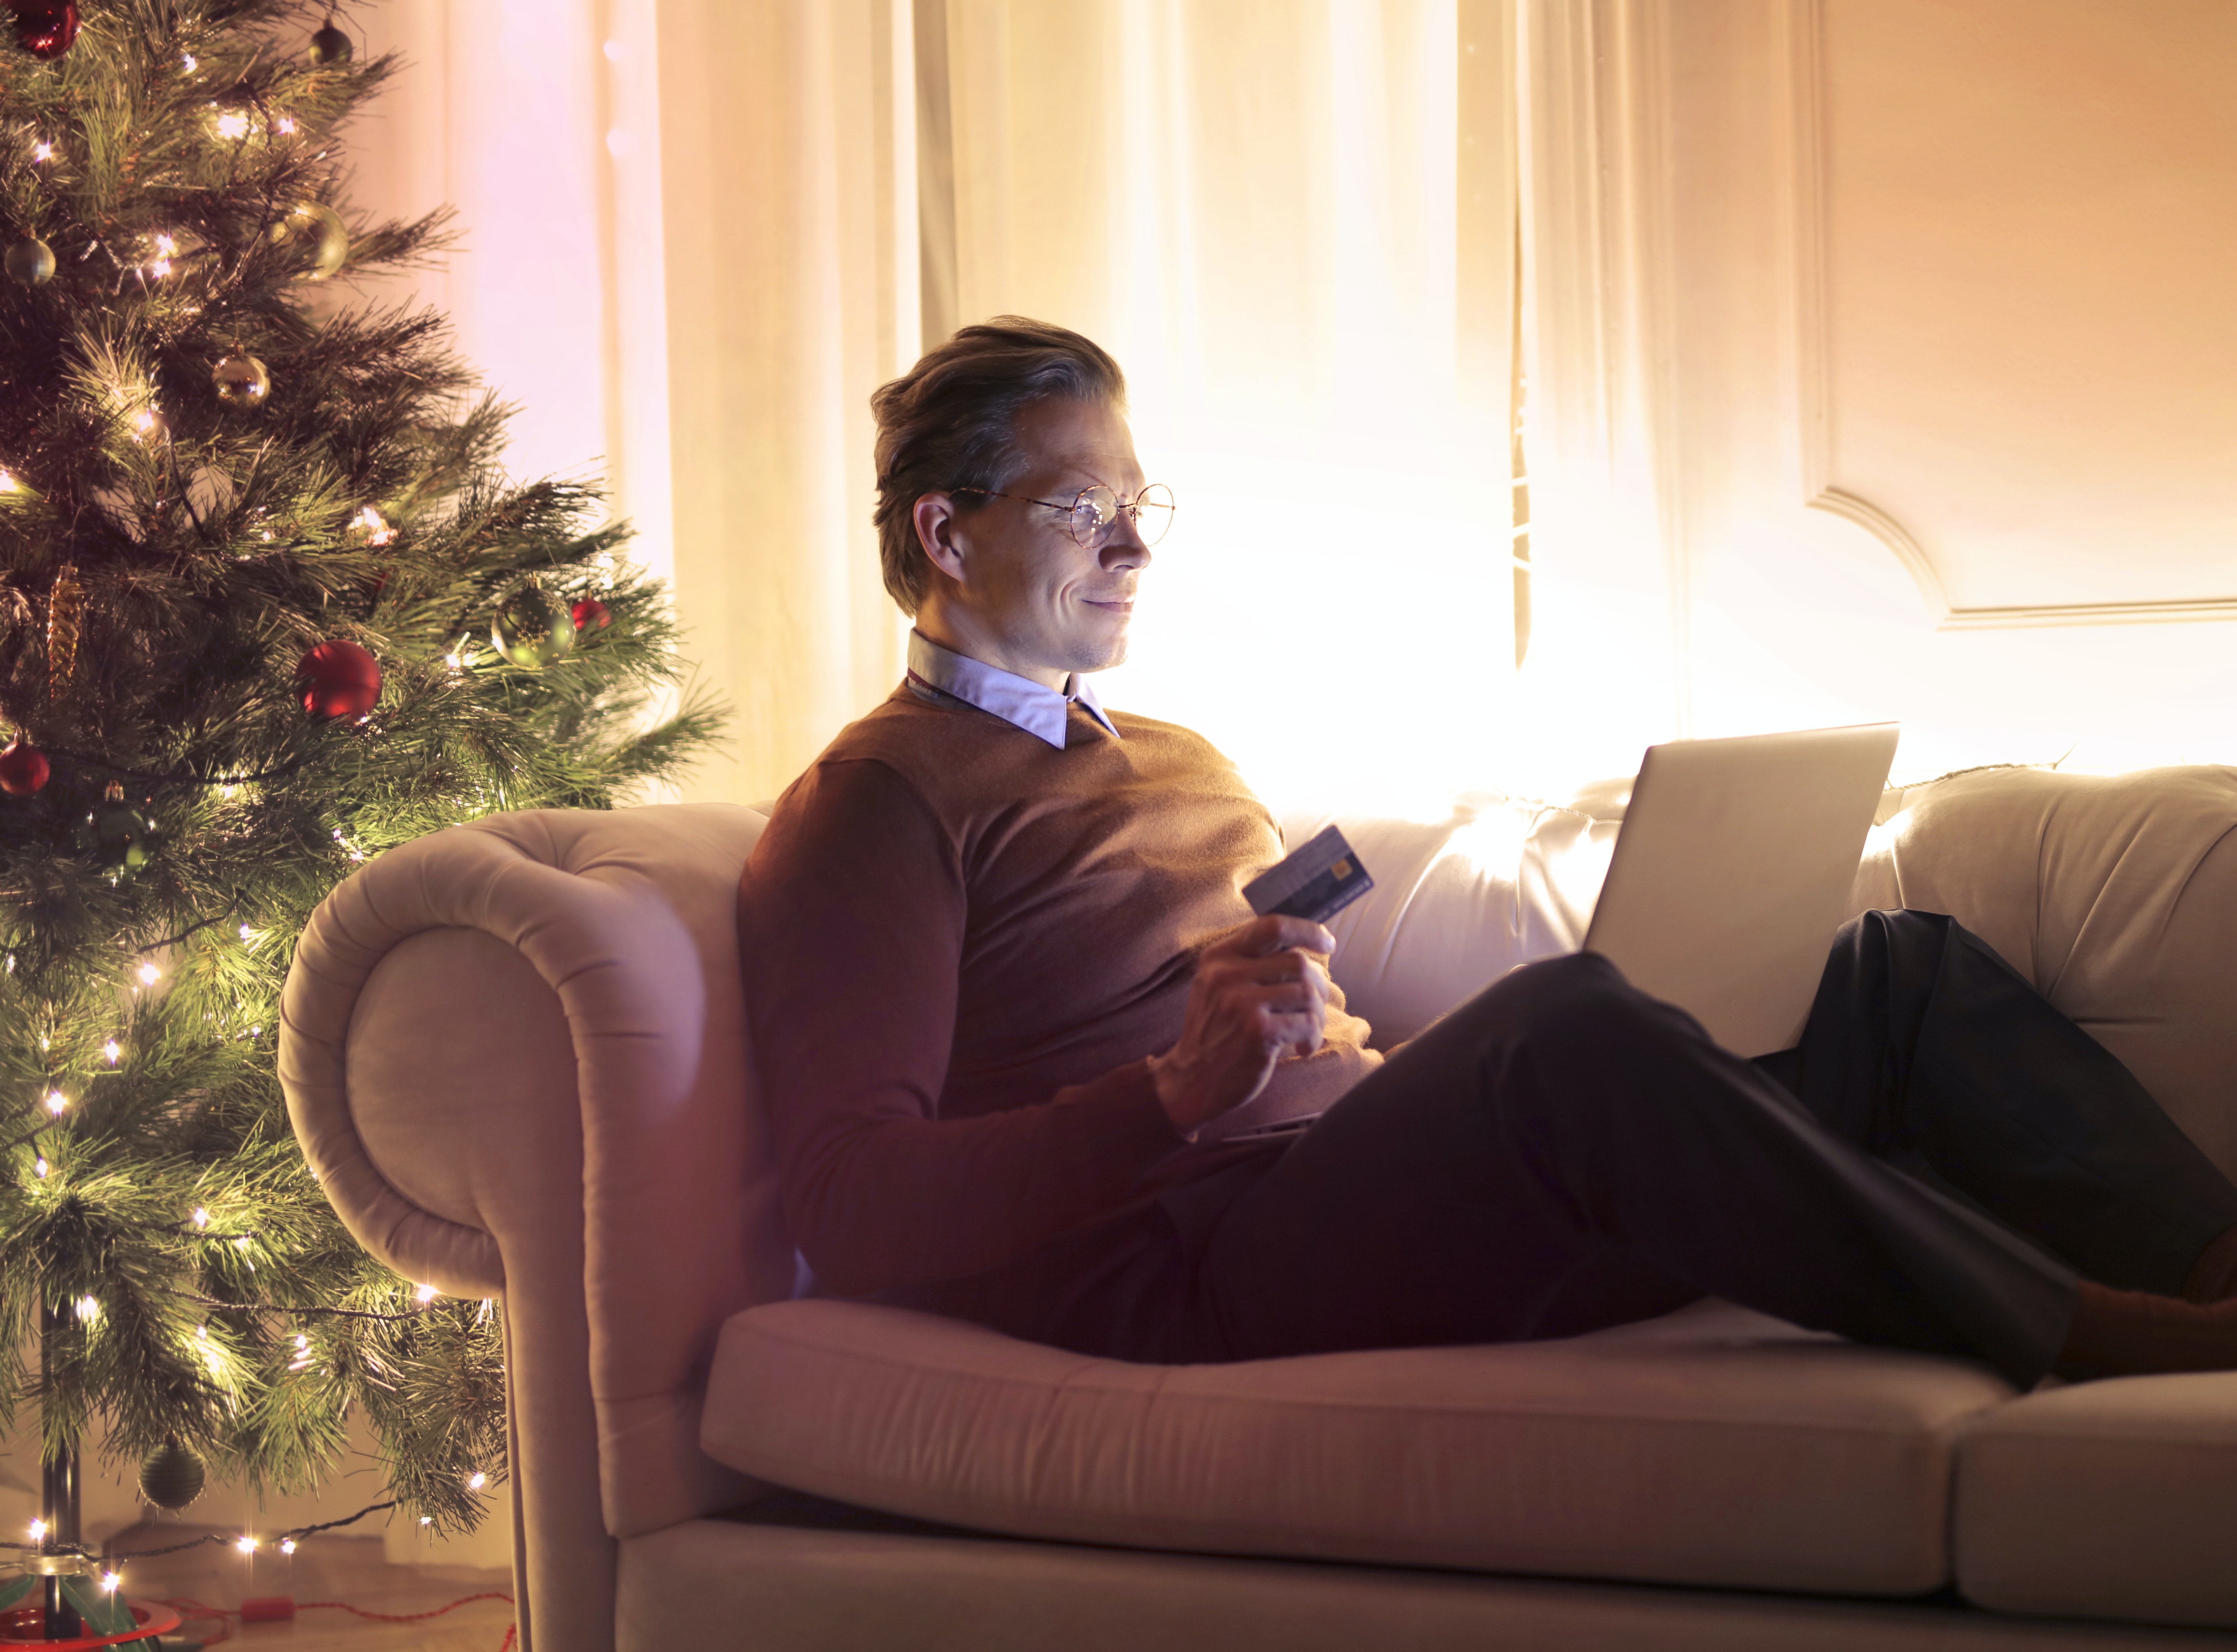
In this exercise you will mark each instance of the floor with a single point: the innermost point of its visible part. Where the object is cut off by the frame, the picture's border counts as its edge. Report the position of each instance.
(336, 1568)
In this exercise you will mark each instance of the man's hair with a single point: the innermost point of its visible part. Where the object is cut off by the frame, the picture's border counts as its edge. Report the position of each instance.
(951, 421)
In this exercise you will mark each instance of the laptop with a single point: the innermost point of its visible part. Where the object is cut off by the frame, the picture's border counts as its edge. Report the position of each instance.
(1733, 871)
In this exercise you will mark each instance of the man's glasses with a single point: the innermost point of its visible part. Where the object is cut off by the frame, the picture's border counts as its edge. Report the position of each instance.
(1095, 511)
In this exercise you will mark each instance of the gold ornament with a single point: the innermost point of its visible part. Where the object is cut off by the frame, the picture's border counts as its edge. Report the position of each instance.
(532, 627)
(65, 612)
(318, 235)
(240, 381)
(30, 262)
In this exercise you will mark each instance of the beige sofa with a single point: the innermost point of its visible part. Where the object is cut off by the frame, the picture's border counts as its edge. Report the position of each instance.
(515, 1052)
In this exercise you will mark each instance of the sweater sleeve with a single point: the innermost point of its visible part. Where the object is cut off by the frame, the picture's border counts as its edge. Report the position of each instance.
(851, 915)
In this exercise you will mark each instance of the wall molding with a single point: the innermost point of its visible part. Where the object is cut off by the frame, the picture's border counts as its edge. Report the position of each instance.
(1805, 21)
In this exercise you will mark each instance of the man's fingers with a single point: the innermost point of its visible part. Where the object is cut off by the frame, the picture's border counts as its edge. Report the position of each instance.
(1274, 934)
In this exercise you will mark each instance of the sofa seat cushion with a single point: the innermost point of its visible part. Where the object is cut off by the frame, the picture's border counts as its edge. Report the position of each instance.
(2105, 1500)
(1712, 1446)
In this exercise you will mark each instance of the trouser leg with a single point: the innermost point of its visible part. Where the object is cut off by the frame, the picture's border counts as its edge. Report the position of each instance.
(1563, 1131)
(1924, 1048)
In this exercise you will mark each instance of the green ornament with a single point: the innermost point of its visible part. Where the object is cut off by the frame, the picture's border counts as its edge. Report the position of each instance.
(171, 1476)
(317, 234)
(240, 381)
(532, 627)
(331, 46)
(30, 262)
(120, 838)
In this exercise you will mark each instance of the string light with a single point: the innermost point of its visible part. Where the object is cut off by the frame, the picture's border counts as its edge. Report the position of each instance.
(247, 933)
(113, 1050)
(110, 1581)
(245, 1543)
(188, 60)
(38, 1531)
(42, 152)
(231, 124)
(374, 525)
(57, 1104)
(40, 1167)
(202, 1219)
(476, 1481)
(426, 1294)
(88, 1309)
(285, 124)
(426, 1520)
(148, 975)
(6, 482)
(287, 1545)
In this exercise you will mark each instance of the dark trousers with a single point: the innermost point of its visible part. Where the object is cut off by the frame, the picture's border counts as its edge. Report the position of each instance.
(1930, 1168)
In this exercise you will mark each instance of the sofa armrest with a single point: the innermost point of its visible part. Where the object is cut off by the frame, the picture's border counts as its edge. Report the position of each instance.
(515, 1054)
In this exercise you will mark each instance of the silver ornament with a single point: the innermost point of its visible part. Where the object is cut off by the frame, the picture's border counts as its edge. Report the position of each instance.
(30, 262)
(532, 627)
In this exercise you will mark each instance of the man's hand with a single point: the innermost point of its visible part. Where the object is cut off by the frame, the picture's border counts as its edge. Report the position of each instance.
(1257, 997)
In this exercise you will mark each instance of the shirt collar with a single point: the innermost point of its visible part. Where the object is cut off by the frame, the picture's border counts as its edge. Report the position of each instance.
(1015, 699)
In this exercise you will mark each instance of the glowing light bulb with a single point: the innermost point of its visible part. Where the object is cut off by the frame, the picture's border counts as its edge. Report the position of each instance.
(245, 1543)
(453, 660)
(287, 1545)
(148, 975)
(477, 1480)
(42, 152)
(109, 1580)
(427, 1519)
(188, 60)
(88, 1309)
(44, 1045)
(201, 1217)
(285, 125)
(7, 482)
(241, 1243)
(302, 1344)
(374, 526)
(38, 1530)
(57, 1104)
(426, 1294)
(201, 1333)
(40, 1167)
(113, 1050)
(247, 933)
(231, 124)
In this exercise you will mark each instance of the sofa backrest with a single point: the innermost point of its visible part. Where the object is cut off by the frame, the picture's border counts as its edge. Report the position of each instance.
(2115, 896)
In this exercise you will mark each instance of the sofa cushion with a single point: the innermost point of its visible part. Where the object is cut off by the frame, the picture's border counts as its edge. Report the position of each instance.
(2105, 1500)
(1712, 1446)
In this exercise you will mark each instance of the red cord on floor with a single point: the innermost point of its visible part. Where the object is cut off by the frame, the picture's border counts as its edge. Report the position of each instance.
(271, 1608)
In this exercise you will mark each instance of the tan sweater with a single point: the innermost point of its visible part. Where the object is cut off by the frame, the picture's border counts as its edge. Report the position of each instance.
(961, 945)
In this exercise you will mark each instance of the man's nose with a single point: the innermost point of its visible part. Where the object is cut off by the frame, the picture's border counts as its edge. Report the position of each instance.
(1122, 544)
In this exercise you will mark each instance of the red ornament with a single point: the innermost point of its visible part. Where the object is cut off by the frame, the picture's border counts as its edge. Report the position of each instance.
(23, 769)
(45, 27)
(588, 612)
(338, 679)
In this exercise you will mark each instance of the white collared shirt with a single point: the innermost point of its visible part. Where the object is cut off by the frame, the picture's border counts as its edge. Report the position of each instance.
(1015, 699)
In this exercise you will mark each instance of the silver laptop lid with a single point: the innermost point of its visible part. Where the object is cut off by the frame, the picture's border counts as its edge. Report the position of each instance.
(1733, 871)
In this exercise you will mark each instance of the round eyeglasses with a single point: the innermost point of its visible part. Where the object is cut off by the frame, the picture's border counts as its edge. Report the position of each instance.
(1095, 511)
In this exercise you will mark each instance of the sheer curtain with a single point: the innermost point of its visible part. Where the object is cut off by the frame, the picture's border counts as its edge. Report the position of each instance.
(1294, 226)
(698, 233)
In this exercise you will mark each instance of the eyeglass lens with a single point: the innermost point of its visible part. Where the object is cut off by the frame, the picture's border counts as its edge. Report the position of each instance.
(1096, 510)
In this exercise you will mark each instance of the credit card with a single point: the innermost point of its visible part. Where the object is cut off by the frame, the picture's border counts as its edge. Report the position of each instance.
(1317, 882)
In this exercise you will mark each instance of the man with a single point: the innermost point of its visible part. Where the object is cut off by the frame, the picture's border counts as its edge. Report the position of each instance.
(1008, 1005)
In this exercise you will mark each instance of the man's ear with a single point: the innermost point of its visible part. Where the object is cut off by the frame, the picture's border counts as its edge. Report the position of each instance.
(935, 520)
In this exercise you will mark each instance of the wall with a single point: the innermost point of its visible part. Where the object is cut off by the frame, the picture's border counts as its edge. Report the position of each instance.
(1956, 371)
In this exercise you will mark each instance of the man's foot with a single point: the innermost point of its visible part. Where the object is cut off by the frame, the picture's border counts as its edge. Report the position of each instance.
(2214, 1276)
(2132, 1334)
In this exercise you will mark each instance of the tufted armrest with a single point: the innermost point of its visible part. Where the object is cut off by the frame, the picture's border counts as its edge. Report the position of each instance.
(515, 1053)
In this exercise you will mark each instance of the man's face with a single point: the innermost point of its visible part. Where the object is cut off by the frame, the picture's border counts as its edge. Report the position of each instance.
(1029, 598)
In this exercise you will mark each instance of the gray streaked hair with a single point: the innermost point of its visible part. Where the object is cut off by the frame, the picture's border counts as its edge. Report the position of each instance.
(951, 421)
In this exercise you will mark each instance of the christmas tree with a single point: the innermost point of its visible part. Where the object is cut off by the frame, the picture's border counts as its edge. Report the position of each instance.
(268, 607)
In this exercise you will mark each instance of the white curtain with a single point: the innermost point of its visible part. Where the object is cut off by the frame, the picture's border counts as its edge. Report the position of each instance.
(700, 232)
(1293, 225)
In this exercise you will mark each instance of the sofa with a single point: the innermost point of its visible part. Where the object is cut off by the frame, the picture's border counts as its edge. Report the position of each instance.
(515, 1052)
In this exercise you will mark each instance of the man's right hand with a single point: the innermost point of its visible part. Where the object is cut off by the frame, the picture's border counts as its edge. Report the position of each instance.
(1259, 995)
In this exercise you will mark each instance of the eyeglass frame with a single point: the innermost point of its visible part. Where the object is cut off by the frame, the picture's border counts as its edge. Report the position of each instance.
(1129, 508)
